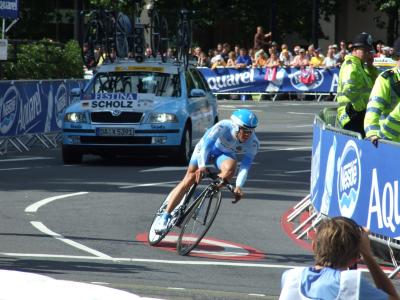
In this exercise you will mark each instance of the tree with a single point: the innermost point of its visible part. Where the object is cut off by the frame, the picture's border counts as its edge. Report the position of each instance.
(391, 9)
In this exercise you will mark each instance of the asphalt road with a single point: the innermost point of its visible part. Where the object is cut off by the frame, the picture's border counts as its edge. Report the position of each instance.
(87, 222)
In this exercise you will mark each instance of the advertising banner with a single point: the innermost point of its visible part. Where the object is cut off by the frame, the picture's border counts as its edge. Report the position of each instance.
(9, 9)
(28, 107)
(259, 80)
(355, 179)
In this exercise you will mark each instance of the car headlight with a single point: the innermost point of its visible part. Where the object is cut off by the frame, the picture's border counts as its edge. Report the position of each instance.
(75, 117)
(162, 118)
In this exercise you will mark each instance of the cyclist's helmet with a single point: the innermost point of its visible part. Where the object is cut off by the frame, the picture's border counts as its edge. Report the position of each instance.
(244, 118)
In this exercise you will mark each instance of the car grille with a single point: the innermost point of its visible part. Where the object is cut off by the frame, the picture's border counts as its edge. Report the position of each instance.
(123, 117)
(112, 140)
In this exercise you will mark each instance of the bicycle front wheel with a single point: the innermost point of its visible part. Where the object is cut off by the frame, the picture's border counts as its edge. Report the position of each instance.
(199, 220)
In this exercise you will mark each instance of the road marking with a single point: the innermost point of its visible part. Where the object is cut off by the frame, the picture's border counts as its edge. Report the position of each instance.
(42, 228)
(175, 288)
(25, 158)
(296, 172)
(13, 169)
(257, 295)
(35, 206)
(165, 169)
(299, 126)
(300, 113)
(289, 149)
(148, 184)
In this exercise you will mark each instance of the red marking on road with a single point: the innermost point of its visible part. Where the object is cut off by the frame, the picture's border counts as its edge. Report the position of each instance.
(210, 248)
(289, 227)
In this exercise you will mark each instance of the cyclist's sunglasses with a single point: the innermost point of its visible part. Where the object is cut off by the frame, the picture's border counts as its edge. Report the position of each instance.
(247, 130)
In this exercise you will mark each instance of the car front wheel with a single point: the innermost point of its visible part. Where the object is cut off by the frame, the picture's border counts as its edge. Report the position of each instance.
(185, 149)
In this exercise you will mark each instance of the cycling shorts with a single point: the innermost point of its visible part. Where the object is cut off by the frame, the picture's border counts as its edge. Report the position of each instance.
(216, 157)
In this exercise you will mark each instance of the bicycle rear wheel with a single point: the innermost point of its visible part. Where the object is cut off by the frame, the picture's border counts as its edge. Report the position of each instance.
(91, 46)
(123, 30)
(155, 35)
(164, 39)
(199, 220)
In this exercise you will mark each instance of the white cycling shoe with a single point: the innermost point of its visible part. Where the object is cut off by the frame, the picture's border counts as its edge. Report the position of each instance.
(162, 224)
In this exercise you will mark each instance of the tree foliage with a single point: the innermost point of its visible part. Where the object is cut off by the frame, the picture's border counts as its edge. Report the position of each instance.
(45, 60)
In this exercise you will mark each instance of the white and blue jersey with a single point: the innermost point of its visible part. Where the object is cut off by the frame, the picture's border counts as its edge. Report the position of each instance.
(219, 143)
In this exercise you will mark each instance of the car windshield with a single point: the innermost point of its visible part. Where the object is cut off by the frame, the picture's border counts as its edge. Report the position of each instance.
(160, 84)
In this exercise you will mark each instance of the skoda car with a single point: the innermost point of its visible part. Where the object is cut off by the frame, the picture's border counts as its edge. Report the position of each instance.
(128, 107)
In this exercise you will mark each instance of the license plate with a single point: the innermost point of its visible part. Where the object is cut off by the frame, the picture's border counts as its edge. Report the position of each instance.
(115, 131)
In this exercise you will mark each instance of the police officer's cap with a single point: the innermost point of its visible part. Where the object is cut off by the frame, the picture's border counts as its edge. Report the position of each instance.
(396, 47)
(363, 40)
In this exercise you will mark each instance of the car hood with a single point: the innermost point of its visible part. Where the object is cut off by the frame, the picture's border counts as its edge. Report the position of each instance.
(125, 102)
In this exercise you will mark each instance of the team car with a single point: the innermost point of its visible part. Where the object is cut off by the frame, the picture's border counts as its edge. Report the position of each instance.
(129, 108)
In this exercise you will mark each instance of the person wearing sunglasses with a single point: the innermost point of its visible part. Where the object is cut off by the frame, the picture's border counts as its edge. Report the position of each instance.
(219, 146)
(337, 247)
(382, 119)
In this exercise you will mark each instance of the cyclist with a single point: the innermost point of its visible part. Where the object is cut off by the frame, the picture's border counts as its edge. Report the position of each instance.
(219, 146)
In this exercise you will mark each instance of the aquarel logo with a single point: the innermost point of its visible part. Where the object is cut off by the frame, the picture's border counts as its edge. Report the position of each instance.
(349, 178)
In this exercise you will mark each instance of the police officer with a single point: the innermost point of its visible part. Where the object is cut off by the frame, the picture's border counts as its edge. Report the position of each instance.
(356, 79)
(382, 120)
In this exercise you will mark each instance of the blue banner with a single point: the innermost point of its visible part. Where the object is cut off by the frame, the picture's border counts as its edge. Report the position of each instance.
(9, 9)
(353, 178)
(260, 80)
(28, 107)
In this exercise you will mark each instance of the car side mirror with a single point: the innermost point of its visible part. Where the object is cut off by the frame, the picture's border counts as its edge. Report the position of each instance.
(196, 93)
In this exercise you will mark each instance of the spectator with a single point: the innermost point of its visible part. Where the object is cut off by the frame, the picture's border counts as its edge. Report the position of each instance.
(343, 46)
(273, 61)
(243, 60)
(226, 48)
(261, 39)
(216, 55)
(218, 62)
(252, 54)
(341, 57)
(231, 60)
(219, 48)
(285, 58)
(301, 60)
(261, 59)
(203, 60)
(338, 245)
(385, 52)
(317, 59)
(310, 51)
(283, 48)
(237, 50)
(211, 53)
(378, 50)
(197, 52)
(296, 50)
(272, 50)
(329, 60)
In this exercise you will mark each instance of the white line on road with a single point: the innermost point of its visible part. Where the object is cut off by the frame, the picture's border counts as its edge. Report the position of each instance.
(25, 158)
(35, 206)
(13, 169)
(290, 149)
(299, 126)
(295, 172)
(42, 228)
(148, 184)
(300, 113)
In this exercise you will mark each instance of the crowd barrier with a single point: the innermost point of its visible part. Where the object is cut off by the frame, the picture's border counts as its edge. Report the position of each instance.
(351, 177)
(32, 111)
(317, 81)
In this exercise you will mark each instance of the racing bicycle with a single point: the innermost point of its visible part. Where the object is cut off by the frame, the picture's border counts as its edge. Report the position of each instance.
(194, 214)
(184, 36)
